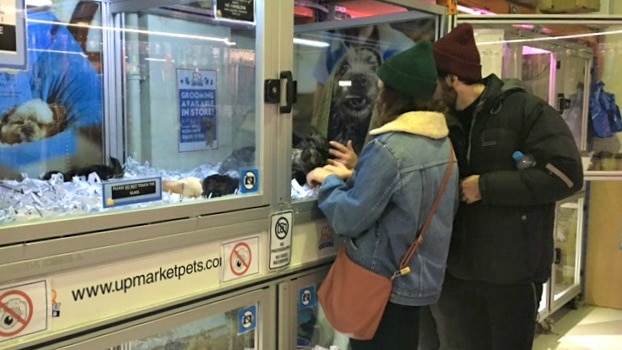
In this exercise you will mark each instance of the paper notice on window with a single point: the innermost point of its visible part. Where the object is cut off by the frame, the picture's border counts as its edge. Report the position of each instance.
(8, 22)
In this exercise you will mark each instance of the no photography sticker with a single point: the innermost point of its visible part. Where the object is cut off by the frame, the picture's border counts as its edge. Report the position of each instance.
(242, 256)
(23, 309)
(240, 259)
(16, 312)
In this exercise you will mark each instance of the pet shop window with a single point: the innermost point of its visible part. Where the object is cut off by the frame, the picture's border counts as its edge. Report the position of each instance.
(570, 65)
(52, 108)
(190, 96)
(141, 108)
(338, 46)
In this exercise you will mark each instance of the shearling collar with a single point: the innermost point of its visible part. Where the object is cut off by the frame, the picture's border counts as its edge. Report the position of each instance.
(424, 123)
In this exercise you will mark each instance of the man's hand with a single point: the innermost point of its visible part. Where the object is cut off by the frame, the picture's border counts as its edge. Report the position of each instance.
(343, 154)
(470, 189)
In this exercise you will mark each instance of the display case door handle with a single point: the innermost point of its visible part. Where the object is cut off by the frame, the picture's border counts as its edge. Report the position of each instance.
(291, 90)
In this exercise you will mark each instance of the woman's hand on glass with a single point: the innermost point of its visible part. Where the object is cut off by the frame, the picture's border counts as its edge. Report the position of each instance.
(317, 176)
(338, 169)
(343, 153)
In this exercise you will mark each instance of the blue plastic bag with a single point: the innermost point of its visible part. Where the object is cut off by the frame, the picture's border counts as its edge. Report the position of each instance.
(604, 112)
(608, 100)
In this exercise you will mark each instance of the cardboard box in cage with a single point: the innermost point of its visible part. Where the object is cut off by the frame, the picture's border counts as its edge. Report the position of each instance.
(569, 6)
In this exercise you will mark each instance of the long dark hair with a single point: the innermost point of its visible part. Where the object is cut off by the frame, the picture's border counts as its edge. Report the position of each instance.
(392, 103)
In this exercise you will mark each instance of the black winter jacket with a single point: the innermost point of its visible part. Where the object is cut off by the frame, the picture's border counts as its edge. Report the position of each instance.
(507, 237)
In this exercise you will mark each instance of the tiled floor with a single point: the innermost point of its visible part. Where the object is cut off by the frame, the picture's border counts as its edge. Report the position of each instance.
(587, 328)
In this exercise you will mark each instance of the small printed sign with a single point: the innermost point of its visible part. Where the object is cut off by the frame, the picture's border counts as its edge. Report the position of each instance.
(250, 180)
(326, 238)
(13, 43)
(23, 309)
(198, 118)
(124, 192)
(281, 224)
(236, 10)
(242, 258)
(247, 319)
(307, 297)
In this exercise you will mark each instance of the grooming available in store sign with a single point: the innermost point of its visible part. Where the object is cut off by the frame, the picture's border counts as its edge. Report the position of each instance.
(197, 109)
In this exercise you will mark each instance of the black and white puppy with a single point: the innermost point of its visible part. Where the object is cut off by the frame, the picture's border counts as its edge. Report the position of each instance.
(219, 185)
(104, 171)
(308, 153)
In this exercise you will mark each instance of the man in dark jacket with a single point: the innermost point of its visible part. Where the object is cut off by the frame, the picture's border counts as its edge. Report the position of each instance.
(502, 245)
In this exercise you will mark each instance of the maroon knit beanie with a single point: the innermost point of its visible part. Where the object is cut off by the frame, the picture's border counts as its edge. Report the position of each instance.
(456, 53)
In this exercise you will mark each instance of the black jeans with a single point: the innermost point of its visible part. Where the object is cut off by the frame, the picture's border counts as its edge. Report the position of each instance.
(484, 316)
(399, 329)
(428, 330)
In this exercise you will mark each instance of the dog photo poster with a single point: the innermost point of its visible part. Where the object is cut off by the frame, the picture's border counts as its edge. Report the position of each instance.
(51, 112)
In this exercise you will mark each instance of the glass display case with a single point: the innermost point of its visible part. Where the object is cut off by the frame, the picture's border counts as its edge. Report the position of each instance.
(544, 307)
(566, 278)
(554, 69)
(147, 110)
(306, 326)
(562, 62)
(241, 322)
(229, 330)
(337, 48)
(569, 64)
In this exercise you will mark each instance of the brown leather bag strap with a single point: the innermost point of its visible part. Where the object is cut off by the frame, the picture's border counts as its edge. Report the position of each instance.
(413, 247)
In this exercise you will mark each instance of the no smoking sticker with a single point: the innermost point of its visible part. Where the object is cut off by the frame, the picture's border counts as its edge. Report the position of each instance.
(242, 258)
(23, 309)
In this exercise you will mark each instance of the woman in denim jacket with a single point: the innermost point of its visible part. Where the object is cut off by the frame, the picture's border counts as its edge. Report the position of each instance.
(380, 205)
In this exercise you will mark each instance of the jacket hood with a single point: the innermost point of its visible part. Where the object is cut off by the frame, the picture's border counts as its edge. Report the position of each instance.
(497, 90)
(510, 85)
(424, 123)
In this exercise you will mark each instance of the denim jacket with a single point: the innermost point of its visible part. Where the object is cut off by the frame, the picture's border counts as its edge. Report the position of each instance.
(380, 209)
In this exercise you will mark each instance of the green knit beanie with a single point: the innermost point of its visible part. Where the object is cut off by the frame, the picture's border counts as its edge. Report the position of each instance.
(412, 71)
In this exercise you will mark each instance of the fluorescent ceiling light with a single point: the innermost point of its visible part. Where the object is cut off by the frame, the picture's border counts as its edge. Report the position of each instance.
(530, 50)
(223, 40)
(158, 59)
(60, 52)
(312, 43)
(38, 3)
(474, 11)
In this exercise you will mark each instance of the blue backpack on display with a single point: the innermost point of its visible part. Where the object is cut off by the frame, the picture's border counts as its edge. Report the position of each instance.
(604, 112)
